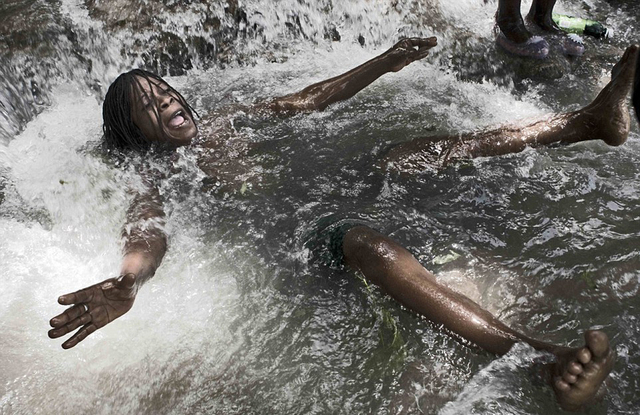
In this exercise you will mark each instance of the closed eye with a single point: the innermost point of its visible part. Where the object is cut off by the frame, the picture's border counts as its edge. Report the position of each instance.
(146, 102)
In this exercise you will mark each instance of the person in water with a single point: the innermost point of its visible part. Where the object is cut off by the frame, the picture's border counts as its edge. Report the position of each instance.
(516, 39)
(141, 111)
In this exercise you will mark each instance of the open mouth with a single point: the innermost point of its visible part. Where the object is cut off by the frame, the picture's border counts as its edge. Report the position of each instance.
(178, 119)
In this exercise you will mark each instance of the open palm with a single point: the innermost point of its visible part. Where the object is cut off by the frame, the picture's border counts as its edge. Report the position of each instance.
(93, 307)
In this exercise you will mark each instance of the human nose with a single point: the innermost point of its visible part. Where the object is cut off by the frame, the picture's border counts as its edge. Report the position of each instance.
(164, 101)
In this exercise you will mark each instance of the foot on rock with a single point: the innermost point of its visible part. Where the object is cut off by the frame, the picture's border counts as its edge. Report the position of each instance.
(536, 47)
(573, 45)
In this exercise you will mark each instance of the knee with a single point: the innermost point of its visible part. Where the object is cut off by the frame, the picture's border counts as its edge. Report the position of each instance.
(364, 246)
(356, 239)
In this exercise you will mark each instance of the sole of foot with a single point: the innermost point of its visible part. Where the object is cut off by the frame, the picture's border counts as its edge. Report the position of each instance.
(610, 110)
(580, 374)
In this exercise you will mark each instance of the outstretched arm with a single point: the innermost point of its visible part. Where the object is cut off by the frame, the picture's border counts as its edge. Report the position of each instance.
(145, 244)
(319, 96)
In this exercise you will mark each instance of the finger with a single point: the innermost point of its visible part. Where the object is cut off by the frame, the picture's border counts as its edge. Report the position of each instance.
(69, 314)
(416, 56)
(422, 42)
(68, 328)
(429, 42)
(422, 53)
(403, 44)
(81, 296)
(79, 336)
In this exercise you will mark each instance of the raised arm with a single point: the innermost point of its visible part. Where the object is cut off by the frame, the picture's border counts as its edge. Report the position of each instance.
(145, 244)
(319, 96)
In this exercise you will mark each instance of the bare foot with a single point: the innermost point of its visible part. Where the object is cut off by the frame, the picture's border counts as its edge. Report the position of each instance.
(608, 115)
(580, 373)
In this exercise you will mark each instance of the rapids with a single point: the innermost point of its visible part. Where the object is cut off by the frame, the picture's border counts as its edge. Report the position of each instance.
(242, 318)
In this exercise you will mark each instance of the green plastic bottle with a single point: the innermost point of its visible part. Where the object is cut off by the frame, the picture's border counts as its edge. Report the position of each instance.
(580, 26)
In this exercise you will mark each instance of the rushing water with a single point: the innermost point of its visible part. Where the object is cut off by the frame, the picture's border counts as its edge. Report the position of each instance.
(242, 317)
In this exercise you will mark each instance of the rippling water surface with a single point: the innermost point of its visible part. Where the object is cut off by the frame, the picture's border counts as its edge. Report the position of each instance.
(242, 317)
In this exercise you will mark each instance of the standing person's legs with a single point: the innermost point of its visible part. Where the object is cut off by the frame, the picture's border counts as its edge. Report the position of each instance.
(514, 36)
(510, 21)
(516, 39)
(578, 373)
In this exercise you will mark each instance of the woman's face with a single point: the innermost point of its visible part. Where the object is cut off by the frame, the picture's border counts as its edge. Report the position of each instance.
(159, 114)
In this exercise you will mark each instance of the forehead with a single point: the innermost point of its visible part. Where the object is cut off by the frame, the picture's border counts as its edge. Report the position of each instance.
(148, 86)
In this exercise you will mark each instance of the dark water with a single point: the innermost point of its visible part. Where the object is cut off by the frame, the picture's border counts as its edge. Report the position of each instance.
(243, 317)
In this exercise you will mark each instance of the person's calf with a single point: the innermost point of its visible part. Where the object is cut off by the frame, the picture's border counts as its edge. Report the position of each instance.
(541, 14)
(510, 21)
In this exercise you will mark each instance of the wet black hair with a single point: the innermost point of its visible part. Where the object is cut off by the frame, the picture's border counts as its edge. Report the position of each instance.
(120, 132)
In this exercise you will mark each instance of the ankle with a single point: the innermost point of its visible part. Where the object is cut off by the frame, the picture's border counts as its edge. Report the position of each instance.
(512, 27)
(543, 21)
(612, 128)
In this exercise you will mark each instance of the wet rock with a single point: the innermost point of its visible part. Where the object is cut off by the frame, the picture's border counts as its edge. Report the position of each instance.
(627, 4)
(174, 58)
(332, 34)
(163, 48)
(2, 186)
(208, 36)
(30, 48)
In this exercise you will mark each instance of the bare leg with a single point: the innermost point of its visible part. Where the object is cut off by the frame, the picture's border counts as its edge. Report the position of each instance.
(578, 374)
(510, 21)
(540, 14)
(606, 118)
(389, 265)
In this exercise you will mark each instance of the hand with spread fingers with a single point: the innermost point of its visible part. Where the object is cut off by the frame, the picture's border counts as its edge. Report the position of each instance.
(409, 50)
(93, 307)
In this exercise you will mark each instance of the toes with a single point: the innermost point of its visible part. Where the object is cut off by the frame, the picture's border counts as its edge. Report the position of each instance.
(583, 355)
(562, 386)
(597, 342)
(574, 368)
(569, 378)
(624, 68)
